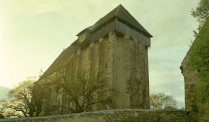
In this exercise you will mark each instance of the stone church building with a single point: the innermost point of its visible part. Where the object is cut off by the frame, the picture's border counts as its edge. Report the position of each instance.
(118, 44)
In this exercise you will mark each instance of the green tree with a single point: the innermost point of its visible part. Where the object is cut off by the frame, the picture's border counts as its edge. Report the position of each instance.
(169, 108)
(1, 116)
(158, 101)
(201, 13)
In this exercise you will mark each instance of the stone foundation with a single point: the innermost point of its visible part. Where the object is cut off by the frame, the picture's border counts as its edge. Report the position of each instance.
(111, 116)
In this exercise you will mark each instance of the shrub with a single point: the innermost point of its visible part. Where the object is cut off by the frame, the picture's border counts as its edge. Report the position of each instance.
(1, 116)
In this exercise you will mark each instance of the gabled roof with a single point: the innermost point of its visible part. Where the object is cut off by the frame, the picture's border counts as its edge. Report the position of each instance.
(60, 62)
(119, 12)
(124, 16)
(90, 28)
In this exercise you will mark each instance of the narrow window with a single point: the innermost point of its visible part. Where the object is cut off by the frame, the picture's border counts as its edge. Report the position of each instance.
(130, 50)
(106, 65)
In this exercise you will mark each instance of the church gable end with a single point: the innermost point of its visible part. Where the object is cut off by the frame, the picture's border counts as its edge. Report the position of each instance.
(117, 44)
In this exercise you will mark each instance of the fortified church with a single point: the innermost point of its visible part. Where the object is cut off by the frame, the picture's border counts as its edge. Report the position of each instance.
(118, 44)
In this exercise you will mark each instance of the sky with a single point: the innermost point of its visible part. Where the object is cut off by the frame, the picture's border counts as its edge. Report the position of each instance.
(34, 32)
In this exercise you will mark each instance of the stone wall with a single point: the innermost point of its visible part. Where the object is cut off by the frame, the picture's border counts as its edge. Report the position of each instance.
(125, 65)
(119, 115)
(191, 83)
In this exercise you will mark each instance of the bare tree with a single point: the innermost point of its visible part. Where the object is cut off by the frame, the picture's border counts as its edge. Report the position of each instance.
(19, 102)
(83, 90)
(10, 106)
(40, 101)
(1, 108)
(21, 96)
(40, 93)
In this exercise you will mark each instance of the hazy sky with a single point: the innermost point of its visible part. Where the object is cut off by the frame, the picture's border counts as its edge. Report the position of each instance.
(34, 32)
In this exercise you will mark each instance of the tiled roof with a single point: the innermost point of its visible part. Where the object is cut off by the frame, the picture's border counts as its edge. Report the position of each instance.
(61, 61)
(124, 16)
(119, 12)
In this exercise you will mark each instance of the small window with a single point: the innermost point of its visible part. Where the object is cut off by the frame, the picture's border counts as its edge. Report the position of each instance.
(130, 50)
(106, 65)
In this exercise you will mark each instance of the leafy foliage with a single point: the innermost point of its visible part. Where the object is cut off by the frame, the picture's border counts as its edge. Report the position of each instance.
(157, 101)
(169, 108)
(1, 116)
(201, 12)
(199, 60)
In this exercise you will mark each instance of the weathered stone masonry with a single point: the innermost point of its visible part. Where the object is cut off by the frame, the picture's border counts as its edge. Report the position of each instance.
(114, 55)
(191, 82)
(117, 44)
